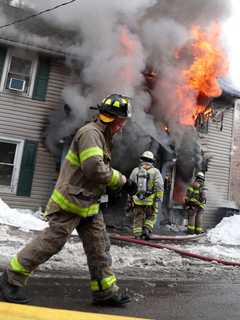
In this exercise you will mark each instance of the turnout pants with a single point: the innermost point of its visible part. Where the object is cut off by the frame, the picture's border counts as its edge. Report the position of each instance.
(195, 219)
(51, 240)
(143, 217)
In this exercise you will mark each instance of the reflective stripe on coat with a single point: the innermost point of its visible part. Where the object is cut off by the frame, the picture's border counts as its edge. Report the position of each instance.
(85, 173)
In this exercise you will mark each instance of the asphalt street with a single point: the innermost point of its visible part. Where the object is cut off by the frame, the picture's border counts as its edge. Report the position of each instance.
(163, 300)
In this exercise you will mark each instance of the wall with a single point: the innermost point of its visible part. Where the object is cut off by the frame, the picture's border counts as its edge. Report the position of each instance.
(219, 145)
(235, 159)
(24, 118)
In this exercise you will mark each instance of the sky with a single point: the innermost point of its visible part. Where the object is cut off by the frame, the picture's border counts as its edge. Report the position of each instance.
(231, 30)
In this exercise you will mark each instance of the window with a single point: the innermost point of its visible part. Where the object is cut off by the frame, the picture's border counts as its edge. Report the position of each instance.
(19, 72)
(10, 159)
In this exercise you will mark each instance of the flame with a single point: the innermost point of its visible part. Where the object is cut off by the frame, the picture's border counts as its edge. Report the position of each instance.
(209, 64)
(128, 47)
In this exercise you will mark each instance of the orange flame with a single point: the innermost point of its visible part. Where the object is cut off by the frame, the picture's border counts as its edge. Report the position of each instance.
(128, 47)
(209, 64)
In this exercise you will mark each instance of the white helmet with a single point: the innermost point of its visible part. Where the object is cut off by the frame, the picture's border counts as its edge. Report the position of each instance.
(147, 156)
(200, 175)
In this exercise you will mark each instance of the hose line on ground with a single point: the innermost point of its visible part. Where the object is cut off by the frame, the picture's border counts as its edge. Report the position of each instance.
(177, 250)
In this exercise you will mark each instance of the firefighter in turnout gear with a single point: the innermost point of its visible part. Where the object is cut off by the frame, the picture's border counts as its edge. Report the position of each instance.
(74, 204)
(146, 201)
(195, 202)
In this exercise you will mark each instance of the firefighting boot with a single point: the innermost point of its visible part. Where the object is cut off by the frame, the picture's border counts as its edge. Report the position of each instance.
(118, 299)
(146, 234)
(12, 293)
(138, 237)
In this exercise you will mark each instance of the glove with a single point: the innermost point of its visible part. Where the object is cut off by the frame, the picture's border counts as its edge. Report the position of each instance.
(130, 187)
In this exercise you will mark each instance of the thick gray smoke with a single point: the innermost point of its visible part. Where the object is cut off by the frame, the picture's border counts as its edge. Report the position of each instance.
(115, 42)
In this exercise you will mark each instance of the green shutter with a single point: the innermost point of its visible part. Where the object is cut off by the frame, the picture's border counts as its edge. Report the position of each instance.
(27, 169)
(41, 81)
(3, 52)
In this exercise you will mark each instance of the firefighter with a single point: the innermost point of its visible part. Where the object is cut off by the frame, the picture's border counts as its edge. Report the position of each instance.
(195, 202)
(74, 204)
(148, 198)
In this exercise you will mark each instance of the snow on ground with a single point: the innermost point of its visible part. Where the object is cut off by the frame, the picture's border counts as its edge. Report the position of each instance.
(226, 232)
(23, 219)
(17, 227)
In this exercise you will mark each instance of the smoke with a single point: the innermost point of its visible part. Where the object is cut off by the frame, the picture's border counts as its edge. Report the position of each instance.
(115, 42)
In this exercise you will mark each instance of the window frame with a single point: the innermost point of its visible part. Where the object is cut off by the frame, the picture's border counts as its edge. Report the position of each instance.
(16, 164)
(19, 53)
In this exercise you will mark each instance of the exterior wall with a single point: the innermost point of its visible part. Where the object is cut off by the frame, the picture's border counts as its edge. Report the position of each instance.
(235, 163)
(24, 118)
(219, 145)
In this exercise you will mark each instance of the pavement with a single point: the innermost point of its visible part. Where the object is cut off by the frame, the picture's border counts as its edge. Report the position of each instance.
(214, 299)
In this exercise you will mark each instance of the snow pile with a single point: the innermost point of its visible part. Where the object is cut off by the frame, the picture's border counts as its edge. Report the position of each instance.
(226, 232)
(23, 219)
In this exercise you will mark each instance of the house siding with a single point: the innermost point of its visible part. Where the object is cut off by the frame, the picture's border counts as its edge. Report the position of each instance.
(219, 145)
(235, 161)
(25, 118)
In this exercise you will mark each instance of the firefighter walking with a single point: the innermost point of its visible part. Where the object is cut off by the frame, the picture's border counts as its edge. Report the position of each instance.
(75, 204)
(145, 203)
(195, 202)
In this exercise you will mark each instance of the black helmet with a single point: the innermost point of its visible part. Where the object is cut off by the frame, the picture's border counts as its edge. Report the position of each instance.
(116, 105)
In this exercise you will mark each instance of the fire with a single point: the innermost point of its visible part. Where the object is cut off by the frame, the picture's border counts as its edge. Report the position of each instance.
(200, 79)
(128, 47)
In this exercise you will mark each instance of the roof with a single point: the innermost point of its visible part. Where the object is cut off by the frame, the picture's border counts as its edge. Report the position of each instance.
(228, 88)
(36, 32)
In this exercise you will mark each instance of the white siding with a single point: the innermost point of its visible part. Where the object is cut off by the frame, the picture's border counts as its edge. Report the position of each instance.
(219, 144)
(24, 118)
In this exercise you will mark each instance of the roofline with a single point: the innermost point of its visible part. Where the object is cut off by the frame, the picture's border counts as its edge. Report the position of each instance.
(55, 53)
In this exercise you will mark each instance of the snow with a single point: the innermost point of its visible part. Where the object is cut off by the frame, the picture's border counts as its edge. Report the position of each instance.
(23, 219)
(226, 232)
(132, 260)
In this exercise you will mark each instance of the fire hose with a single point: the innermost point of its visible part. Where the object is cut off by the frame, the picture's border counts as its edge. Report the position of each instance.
(177, 250)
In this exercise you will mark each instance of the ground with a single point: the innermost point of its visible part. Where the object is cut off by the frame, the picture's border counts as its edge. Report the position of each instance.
(163, 284)
(214, 299)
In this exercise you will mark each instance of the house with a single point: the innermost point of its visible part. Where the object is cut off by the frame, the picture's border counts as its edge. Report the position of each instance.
(222, 142)
(32, 76)
(31, 81)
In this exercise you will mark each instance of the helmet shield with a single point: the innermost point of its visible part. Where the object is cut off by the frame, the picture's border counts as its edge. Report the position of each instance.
(116, 105)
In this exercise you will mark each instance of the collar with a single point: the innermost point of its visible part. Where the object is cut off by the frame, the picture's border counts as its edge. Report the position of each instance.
(100, 125)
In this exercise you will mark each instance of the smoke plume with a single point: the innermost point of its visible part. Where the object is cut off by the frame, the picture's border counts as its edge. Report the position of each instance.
(115, 42)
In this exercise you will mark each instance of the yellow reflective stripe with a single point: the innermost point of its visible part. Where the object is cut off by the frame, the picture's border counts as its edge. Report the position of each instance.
(142, 202)
(65, 204)
(17, 267)
(191, 227)
(115, 179)
(193, 200)
(137, 230)
(149, 224)
(94, 285)
(145, 202)
(73, 158)
(90, 152)
(108, 282)
(159, 194)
